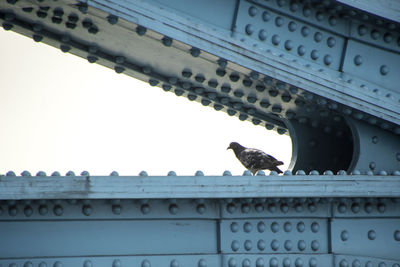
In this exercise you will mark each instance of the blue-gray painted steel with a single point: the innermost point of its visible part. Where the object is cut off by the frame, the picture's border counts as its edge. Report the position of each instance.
(324, 72)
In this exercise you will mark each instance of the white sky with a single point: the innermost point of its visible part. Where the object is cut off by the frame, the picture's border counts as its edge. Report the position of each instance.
(59, 113)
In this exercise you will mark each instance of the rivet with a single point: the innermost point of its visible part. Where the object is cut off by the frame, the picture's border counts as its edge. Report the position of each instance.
(343, 263)
(274, 227)
(331, 42)
(286, 262)
(87, 210)
(201, 208)
(220, 72)
(384, 69)
(146, 263)
(261, 245)
(281, 3)
(356, 263)
(368, 264)
(328, 60)
(355, 208)
(43, 210)
(275, 39)
(342, 208)
(362, 30)
(368, 207)
(274, 245)
(93, 29)
(301, 245)
(227, 173)
(231, 208)
(57, 264)
(222, 62)
(266, 16)
(298, 262)
(145, 208)
(387, 38)
(318, 37)
(140, 30)
(167, 41)
(87, 263)
(253, 11)
(232, 262)
(42, 264)
(269, 126)
(371, 235)
(235, 245)
(202, 263)
(306, 12)
(305, 31)
(319, 16)
(58, 210)
(116, 209)
(261, 227)
(28, 264)
(260, 262)
(245, 208)
(314, 245)
(234, 227)
(247, 82)
(288, 245)
(195, 52)
(312, 207)
(288, 45)
(173, 209)
(249, 29)
(300, 225)
(174, 263)
(119, 69)
(273, 262)
(375, 34)
(248, 245)
(287, 227)
(25, 174)
(314, 54)
(381, 207)
(28, 211)
(396, 235)
(333, 21)
(315, 227)
(279, 21)
(247, 227)
(301, 50)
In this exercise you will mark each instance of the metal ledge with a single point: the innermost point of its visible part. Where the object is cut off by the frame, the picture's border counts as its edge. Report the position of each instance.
(156, 187)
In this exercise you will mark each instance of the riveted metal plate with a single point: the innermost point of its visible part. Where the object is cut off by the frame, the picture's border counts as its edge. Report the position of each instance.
(275, 208)
(275, 260)
(375, 35)
(373, 64)
(354, 261)
(378, 238)
(118, 261)
(367, 207)
(106, 237)
(274, 236)
(108, 209)
(293, 36)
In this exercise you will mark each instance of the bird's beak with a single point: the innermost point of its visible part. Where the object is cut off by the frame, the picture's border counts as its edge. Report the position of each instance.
(228, 147)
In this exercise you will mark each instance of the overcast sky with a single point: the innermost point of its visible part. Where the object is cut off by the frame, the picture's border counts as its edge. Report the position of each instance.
(59, 113)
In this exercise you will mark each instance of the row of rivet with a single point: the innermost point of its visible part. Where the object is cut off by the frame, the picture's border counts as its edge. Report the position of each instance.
(371, 235)
(88, 210)
(273, 262)
(116, 263)
(274, 227)
(225, 173)
(271, 207)
(275, 245)
(357, 263)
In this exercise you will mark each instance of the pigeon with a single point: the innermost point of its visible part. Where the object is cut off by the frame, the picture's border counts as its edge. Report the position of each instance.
(255, 159)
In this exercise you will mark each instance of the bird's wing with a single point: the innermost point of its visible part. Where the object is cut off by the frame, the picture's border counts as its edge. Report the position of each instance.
(257, 159)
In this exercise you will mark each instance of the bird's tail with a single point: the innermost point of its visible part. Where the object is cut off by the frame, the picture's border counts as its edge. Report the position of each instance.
(276, 169)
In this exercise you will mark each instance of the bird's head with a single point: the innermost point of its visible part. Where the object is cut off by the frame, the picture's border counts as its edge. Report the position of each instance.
(233, 146)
